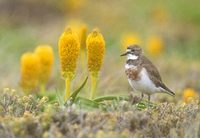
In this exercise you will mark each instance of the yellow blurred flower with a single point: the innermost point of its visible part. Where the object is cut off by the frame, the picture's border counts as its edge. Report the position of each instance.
(155, 45)
(189, 94)
(45, 53)
(95, 50)
(129, 39)
(80, 29)
(30, 67)
(69, 48)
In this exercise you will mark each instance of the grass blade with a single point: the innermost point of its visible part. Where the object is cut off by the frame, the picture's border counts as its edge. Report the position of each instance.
(87, 102)
(76, 92)
(111, 97)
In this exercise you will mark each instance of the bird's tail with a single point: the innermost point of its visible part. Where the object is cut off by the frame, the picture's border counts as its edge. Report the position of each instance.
(168, 91)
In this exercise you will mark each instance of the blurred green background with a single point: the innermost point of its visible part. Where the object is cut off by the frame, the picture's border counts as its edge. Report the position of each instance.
(24, 24)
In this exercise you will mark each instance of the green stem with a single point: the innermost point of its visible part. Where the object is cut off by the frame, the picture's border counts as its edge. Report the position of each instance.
(94, 77)
(68, 88)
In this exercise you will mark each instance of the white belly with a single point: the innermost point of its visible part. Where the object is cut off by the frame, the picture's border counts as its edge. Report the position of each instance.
(144, 85)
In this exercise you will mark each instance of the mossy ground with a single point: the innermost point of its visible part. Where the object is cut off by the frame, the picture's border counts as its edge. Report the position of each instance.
(28, 116)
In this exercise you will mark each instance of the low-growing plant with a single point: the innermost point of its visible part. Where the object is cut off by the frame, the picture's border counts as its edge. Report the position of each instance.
(12, 104)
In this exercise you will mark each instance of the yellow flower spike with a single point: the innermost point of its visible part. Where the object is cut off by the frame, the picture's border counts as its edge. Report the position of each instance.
(189, 94)
(30, 67)
(155, 45)
(69, 48)
(45, 53)
(129, 39)
(95, 50)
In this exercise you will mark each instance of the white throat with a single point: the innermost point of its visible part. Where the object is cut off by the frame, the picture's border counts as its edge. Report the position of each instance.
(132, 57)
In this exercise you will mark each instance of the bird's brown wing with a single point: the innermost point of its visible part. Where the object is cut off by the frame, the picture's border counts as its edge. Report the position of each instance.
(154, 75)
(151, 69)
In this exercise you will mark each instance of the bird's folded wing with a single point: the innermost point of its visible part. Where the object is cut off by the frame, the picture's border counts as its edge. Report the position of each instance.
(151, 69)
(154, 75)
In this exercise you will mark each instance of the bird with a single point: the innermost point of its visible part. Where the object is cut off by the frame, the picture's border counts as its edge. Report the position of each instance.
(142, 74)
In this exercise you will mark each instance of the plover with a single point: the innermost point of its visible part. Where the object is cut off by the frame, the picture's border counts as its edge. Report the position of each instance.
(142, 75)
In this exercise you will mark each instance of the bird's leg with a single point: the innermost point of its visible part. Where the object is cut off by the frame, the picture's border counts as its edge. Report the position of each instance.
(142, 96)
(149, 97)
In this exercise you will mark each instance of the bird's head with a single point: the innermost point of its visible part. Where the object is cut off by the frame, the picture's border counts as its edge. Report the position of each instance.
(133, 52)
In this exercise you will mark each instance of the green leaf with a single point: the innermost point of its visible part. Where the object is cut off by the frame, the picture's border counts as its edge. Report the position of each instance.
(111, 97)
(76, 92)
(87, 102)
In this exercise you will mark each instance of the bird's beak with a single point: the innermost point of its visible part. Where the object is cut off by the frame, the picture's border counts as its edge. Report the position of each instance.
(124, 54)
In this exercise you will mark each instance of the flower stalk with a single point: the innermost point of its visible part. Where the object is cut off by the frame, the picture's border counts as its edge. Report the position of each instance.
(94, 77)
(68, 88)
(69, 48)
(95, 50)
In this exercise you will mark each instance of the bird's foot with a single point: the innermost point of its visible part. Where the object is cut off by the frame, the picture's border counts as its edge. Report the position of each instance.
(134, 99)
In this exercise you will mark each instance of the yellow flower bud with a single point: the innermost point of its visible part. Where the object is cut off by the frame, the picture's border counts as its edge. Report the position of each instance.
(95, 49)
(129, 39)
(155, 45)
(69, 48)
(30, 67)
(46, 56)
